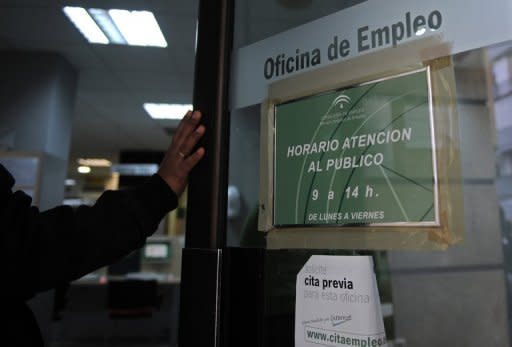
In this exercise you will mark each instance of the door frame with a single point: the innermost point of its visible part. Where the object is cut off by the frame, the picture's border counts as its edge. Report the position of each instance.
(205, 238)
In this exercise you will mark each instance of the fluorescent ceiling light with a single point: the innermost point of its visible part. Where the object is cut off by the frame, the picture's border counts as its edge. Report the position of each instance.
(107, 25)
(94, 162)
(136, 28)
(139, 28)
(167, 111)
(83, 21)
(84, 169)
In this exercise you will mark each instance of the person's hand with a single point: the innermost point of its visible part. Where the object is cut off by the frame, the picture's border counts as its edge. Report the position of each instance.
(179, 158)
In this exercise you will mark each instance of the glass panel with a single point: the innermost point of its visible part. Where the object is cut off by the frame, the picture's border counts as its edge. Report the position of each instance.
(440, 298)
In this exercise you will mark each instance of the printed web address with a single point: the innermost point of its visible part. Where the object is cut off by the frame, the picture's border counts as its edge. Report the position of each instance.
(335, 339)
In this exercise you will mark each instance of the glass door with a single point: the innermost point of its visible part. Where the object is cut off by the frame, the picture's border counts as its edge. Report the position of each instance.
(247, 281)
(427, 297)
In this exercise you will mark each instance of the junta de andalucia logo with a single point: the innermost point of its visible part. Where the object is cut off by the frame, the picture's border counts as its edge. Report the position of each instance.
(340, 101)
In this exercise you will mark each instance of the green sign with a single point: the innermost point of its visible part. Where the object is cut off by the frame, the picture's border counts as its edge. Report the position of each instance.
(357, 156)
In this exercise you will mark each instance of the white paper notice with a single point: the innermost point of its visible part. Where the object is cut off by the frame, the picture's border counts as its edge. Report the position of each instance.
(337, 303)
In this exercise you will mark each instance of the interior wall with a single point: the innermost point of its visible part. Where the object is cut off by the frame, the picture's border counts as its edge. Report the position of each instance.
(37, 94)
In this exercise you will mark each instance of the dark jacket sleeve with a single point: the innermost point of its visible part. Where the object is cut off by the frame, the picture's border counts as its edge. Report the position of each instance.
(40, 249)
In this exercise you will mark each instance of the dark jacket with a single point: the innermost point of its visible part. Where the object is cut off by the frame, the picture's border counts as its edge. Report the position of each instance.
(39, 250)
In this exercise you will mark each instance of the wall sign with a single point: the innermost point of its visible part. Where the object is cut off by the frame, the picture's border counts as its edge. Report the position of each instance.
(370, 26)
(361, 156)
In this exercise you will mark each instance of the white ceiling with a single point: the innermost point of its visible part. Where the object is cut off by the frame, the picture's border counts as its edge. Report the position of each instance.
(114, 81)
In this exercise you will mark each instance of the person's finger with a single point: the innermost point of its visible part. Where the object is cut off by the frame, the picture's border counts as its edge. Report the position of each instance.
(193, 159)
(191, 141)
(186, 127)
(180, 125)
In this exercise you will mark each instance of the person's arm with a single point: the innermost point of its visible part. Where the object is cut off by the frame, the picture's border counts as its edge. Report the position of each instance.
(40, 249)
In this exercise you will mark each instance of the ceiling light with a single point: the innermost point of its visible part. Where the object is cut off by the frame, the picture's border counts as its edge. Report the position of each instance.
(136, 28)
(94, 162)
(107, 25)
(139, 28)
(167, 111)
(84, 169)
(83, 21)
